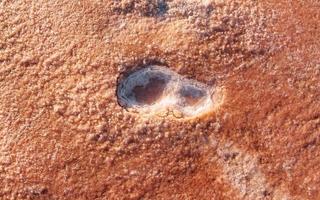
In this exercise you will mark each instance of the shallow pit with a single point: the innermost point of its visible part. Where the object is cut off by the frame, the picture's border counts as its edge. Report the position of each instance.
(143, 87)
(156, 89)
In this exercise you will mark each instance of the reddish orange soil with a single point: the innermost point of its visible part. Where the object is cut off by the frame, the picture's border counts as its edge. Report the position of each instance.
(63, 134)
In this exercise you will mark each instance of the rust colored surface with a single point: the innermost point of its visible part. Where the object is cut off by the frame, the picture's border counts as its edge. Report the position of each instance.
(64, 136)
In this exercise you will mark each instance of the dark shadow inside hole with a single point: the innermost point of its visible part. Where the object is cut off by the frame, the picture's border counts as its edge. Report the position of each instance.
(191, 94)
(162, 7)
(151, 92)
(156, 8)
(148, 8)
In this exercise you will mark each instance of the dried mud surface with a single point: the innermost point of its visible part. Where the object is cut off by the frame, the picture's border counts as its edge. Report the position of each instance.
(63, 134)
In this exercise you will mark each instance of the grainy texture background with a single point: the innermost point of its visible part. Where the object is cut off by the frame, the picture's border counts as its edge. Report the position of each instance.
(64, 136)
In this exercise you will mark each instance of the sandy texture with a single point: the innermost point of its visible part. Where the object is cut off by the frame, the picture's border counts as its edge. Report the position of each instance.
(63, 134)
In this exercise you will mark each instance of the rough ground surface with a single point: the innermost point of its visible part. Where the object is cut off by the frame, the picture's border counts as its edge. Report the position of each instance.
(64, 136)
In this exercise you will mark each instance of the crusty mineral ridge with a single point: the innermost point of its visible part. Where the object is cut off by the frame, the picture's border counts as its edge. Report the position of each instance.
(63, 134)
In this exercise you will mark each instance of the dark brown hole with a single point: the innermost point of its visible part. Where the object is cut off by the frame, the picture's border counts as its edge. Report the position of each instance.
(151, 92)
(191, 95)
